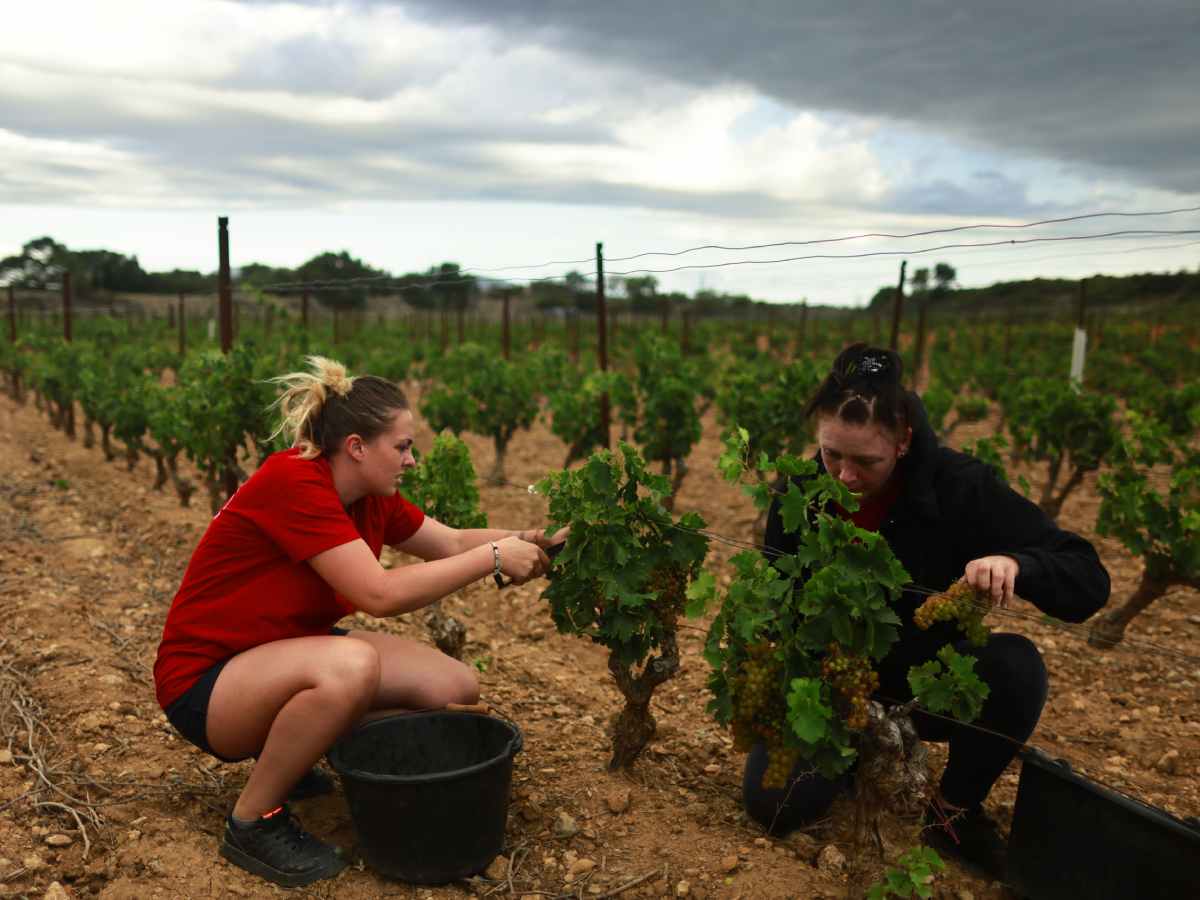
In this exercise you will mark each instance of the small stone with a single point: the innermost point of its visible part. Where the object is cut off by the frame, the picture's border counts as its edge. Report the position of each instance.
(1168, 763)
(59, 840)
(56, 892)
(712, 769)
(565, 826)
(729, 863)
(582, 866)
(964, 894)
(497, 869)
(762, 842)
(32, 862)
(831, 860)
(100, 747)
(683, 889)
(6, 756)
(618, 801)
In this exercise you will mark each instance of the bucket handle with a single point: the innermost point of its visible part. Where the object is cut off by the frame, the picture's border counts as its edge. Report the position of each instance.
(483, 709)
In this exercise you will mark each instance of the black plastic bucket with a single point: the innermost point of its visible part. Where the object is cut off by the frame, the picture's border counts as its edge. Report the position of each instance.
(428, 792)
(1072, 837)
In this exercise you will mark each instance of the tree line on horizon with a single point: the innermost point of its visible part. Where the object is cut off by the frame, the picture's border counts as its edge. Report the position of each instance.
(99, 273)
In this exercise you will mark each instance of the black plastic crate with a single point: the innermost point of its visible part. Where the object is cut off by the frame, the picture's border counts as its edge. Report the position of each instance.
(1074, 838)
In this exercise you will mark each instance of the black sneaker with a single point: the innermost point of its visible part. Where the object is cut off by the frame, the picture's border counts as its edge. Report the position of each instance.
(314, 783)
(969, 836)
(276, 848)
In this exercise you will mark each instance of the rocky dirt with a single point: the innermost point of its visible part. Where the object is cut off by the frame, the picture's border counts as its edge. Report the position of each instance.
(99, 798)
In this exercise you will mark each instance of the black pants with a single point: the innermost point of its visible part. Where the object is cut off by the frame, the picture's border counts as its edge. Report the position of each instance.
(1013, 670)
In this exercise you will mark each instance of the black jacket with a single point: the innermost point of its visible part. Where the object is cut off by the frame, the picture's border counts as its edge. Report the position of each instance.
(953, 509)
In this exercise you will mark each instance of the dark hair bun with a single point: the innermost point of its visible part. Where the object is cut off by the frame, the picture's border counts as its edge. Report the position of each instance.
(859, 364)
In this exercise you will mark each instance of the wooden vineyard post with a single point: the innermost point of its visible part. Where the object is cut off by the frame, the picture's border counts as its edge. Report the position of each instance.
(12, 314)
(66, 306)
(919, 353)
(462, 325)
(602, 338)
(803, 328)
(304, 309)
(664, 313)
(444, 325)
(898, 308)
(182, 322)
(685, 333)
(506, 324)
(224, 285)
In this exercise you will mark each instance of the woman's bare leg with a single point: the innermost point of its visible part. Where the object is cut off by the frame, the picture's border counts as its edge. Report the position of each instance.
(413, 675)
(288, 701)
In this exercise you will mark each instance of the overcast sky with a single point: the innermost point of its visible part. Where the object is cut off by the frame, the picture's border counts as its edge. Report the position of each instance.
(497, 133)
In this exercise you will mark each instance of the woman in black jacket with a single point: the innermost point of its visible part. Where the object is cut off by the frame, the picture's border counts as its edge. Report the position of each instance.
(947, 517)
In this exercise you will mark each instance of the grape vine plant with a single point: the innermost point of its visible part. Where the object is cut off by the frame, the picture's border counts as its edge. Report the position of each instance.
(628, 571)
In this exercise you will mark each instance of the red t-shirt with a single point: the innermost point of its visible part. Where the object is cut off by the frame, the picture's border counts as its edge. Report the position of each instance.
(871, 513)
(248, 581)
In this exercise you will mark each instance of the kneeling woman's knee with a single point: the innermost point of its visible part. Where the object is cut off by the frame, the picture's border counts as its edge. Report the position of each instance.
(354, 668)
(1016, 676)
(1020, 662)
(462, 684)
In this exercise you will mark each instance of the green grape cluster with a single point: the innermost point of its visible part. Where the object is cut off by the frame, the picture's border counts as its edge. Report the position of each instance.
(668, 585)
(759, 713)
(961, 604)
(853, 681)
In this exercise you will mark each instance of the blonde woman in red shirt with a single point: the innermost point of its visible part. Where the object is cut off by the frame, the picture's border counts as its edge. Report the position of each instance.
(251, 664)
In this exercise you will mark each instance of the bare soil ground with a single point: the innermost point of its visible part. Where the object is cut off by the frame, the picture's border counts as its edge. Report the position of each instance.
(98, 795)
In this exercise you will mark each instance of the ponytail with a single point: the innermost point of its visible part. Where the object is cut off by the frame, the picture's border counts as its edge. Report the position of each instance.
(320, 407)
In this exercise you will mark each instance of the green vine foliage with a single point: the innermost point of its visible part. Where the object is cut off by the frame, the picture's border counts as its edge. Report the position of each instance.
(912, 878)
(602, 584)
(793, 645)
(574, 407)
(837, 588)
(443, 484)
(483, 393)
(625, 575)
(949, 684)
(990, 450)
(667, 423)
(760, 396)
(219, 406)
(1162, 527)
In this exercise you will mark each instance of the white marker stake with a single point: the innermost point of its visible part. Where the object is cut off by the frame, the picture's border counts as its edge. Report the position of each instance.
(1078, 353)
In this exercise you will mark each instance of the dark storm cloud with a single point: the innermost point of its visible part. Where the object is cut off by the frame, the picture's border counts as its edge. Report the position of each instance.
(1094, 82)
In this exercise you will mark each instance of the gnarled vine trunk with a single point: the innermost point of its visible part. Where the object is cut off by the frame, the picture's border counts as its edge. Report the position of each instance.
(1109, 629)
(183, 487)
(1052, 504)
(501, 445)
(892, 778)
(635, 724)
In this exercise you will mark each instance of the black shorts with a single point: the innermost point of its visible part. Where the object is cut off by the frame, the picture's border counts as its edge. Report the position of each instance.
(189, 713)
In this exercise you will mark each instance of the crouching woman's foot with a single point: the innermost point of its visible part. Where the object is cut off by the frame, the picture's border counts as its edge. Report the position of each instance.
(968, 836)
(276, 848)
